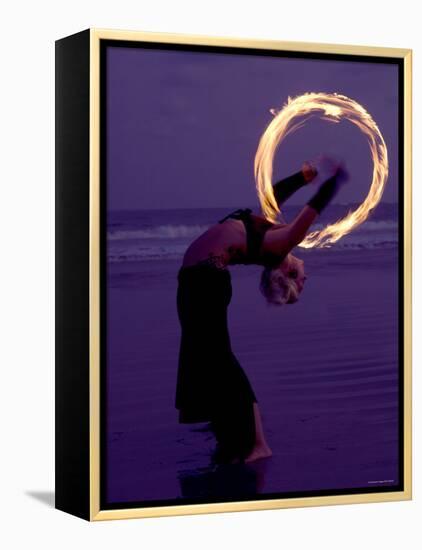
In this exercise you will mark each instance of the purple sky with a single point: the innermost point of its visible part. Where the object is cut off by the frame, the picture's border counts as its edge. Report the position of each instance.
(184, 126)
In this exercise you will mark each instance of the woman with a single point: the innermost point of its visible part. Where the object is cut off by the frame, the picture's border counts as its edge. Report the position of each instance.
(211, 384)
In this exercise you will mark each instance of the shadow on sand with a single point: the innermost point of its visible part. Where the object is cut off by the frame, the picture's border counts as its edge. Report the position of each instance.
(224, 481)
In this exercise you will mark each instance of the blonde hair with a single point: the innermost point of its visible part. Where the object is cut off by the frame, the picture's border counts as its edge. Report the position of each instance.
(278, 288)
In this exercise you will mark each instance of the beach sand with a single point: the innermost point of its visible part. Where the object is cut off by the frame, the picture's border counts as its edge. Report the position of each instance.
(325, 371)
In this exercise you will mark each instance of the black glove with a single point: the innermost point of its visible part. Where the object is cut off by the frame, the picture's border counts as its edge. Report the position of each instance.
(328, 190)
(283, 189)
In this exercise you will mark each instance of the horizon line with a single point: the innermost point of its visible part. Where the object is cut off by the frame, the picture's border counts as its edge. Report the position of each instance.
(234, 206)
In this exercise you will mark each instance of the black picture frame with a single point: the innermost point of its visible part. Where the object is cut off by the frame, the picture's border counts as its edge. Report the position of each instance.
(81, 266)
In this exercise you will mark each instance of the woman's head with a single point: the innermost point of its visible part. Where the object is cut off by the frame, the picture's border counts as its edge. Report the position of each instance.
(282, 284)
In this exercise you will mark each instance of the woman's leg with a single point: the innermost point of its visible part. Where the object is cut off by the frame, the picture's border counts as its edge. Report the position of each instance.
(233, 424)
(261, 448)
(239, 434)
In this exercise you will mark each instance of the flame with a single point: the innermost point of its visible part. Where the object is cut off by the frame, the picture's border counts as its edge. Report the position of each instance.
(331, 107)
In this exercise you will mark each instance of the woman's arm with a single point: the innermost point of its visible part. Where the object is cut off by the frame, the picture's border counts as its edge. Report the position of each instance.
(299, 227)
(282, 241)
(279, 242)
(285, 188)
(297, 230)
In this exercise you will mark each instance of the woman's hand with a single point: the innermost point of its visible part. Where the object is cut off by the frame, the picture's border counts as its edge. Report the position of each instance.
(309, 171)
(342, 175)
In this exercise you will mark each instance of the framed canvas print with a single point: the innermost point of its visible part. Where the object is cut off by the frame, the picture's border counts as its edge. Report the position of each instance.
(233, 274)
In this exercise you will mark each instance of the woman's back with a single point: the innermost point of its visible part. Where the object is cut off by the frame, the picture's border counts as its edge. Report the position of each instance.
(219, 243)
(235, 239)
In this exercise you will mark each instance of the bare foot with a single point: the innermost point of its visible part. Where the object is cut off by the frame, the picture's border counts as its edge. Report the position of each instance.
(259, 451)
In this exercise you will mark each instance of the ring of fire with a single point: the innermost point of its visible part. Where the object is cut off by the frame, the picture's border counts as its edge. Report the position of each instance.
(331, 107)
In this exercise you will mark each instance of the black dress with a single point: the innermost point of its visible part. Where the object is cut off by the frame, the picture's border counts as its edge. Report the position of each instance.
(211, 384)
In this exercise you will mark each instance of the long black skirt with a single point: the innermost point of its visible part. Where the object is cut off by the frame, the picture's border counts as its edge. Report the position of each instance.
(211, 384)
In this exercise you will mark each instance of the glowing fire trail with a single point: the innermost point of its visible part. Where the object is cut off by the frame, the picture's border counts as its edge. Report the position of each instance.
(331, 107)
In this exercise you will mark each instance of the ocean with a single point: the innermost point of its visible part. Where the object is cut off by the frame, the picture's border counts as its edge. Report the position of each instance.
(148, 235)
